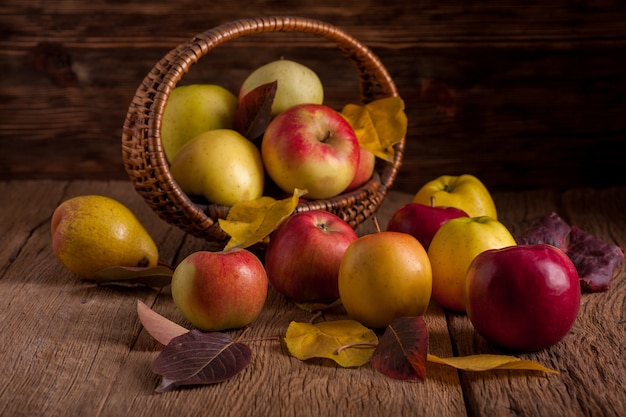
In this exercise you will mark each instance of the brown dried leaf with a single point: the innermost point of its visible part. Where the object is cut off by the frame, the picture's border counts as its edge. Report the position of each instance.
(198, 358)
(402, 350)
(156, 276)
(253, 113)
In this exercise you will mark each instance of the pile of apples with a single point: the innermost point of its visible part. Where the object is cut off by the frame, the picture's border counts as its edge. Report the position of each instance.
(305, 145)
(447, 244)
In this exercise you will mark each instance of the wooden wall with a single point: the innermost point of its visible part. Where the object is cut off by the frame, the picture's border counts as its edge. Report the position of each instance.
(522, 94)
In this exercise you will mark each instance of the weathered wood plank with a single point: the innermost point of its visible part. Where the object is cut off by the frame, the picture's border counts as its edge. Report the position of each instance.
(523, 96)
(72, 348)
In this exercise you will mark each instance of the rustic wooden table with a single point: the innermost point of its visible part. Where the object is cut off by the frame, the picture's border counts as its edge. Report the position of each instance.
(71, 348)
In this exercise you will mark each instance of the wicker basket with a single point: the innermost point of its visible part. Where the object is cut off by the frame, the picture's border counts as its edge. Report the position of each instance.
(145, 161)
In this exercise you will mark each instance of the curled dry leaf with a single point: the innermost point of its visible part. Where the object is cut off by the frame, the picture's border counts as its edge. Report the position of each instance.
(347, 342)
(254, 111)
(197, 358)
(378, 125)
(596, 260)
(486, 362)
(250, 222)
(157, 276)
(160, 328)
(403, 348)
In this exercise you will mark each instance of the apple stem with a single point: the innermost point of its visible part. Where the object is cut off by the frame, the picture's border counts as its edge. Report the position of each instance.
(432, 201)
(357, 345)
(376, 224)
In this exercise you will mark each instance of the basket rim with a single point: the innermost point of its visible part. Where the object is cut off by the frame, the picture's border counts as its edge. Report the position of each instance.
(144, 117)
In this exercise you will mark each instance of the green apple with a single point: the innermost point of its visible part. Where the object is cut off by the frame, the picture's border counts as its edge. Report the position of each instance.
(454, 246)
(194, 109)
(220, 290)
(221, 165)
(296, 84)
(465, 192)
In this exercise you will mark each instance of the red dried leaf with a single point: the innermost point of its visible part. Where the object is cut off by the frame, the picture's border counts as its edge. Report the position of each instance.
(197, 358)
(253, 113)
(596, 260)
(550, 229)
(403, 349)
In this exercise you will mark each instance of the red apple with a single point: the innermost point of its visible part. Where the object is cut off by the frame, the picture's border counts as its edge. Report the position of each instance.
(524, 298)
(422, 221)
(303, 256)
(220, 290)
(310, 147)
(364, 171)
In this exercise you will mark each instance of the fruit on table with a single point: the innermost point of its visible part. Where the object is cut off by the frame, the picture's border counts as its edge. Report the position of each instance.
(295, 84)
(454, 247)
(220, 290)
(465, 192)
(221, 165)
(303, 256)
(422, 221)
(364, 170)
(524, 298)
(192, 110)
(383, 276)
(94, 232)
(311, 147)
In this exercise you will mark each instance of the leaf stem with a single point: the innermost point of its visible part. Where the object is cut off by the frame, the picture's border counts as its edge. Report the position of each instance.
(357, 345)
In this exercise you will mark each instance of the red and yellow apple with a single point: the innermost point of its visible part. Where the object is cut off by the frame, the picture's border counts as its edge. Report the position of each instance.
(364, 170)
(192, 110)
(465, 192)
(422, 221)
(310, 147)
(221, 165)
(383, 276)
(454, 247)
(303, 256)
(220, 290)
(523, 298)
(295, 84)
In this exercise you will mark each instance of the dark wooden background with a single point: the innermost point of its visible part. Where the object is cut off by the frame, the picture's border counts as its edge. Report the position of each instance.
(522, 94)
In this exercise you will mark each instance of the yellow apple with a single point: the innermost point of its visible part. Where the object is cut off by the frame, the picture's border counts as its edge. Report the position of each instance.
(221, 165)
(383, 276)
(465, 192)
(454, 246)
(94, 232)
(192, 110)
(296, 84)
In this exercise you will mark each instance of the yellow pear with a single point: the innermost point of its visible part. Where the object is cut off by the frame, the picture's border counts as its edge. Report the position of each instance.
(92, 232)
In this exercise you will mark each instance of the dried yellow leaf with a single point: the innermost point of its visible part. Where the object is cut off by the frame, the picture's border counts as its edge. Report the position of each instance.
(327, 340)
(486, 362)
(378, 125)
(249, 222)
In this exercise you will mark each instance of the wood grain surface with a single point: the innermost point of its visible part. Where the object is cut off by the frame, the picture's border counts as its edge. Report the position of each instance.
(72, 348)
(524, 96)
